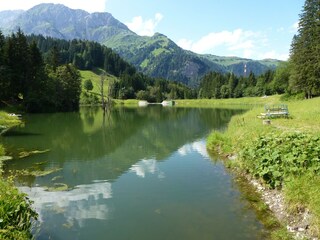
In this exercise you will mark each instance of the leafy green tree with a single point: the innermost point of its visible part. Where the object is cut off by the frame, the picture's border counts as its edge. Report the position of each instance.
(88, 85)
(281, 77)
(224, 91)
(142, 95)
(68, 87)
(305, 51)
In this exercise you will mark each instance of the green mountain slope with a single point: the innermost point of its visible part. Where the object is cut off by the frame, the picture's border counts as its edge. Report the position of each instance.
(157, 56)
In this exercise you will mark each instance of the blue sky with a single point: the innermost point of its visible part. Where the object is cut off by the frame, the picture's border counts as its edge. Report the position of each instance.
(255, 29)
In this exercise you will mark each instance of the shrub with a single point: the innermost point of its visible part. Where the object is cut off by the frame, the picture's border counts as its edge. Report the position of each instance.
(276, 156)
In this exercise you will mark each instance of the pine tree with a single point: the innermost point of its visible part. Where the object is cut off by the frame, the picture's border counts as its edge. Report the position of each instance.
(4, 71)
(2, 42)
(37, 90)
(305, 51)
(17, 56)
(54, 57)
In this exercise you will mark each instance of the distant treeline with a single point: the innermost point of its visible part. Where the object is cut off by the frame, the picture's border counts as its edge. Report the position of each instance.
(218, 85)
(299, 76)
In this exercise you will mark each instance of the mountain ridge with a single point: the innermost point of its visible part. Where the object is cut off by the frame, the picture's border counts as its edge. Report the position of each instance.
(157, 56)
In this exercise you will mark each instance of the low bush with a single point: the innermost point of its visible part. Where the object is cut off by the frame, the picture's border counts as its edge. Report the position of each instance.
(276, 157)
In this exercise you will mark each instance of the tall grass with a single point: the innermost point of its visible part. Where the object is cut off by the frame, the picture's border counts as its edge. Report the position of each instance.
(16, 214)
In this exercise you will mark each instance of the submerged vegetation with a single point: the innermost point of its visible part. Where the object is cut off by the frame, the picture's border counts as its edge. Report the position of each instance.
(16, 213)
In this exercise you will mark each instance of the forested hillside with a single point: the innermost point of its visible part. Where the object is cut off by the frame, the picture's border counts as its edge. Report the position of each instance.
(88, 55)
(85, 55)
(41, 74)
(217, 85)
(157, 56)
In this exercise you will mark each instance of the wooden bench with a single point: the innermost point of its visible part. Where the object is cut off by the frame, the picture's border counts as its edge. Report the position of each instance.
(276, 110)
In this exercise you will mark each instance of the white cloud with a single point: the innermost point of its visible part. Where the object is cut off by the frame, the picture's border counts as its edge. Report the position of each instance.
(144, 27)
(274, 55)
(185, 43)
(237, 40)
(90, 6)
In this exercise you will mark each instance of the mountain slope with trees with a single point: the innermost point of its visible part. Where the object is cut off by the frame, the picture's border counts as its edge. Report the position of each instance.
(41, 74)
(156, 56)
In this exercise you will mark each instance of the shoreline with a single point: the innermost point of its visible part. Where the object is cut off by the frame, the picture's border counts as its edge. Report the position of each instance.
(291, 196)
(296, 224)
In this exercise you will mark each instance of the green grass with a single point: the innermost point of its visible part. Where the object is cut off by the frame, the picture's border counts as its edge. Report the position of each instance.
(303, 192)
(286, 151)
(159, 51)
(127, 103)
(145, 63)
(93, 97)
(231, 102)
(95, 77)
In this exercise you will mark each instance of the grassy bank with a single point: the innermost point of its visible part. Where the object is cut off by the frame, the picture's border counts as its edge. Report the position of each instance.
(213, 103)
(15, 209)
(226, 103)
(284, 155)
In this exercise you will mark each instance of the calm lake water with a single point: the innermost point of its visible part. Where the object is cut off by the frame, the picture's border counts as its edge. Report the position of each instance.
(137, 173)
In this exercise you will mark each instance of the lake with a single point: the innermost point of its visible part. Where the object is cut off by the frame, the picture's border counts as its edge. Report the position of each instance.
(135, 173)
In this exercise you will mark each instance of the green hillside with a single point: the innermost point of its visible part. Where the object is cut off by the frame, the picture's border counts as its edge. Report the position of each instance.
(94, 96)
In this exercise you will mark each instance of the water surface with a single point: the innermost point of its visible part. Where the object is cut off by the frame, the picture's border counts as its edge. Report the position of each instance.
(136, 173)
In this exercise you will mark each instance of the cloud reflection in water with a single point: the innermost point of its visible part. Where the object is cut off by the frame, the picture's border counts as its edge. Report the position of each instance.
(147, 166)
(83, 202)
(197, 146)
